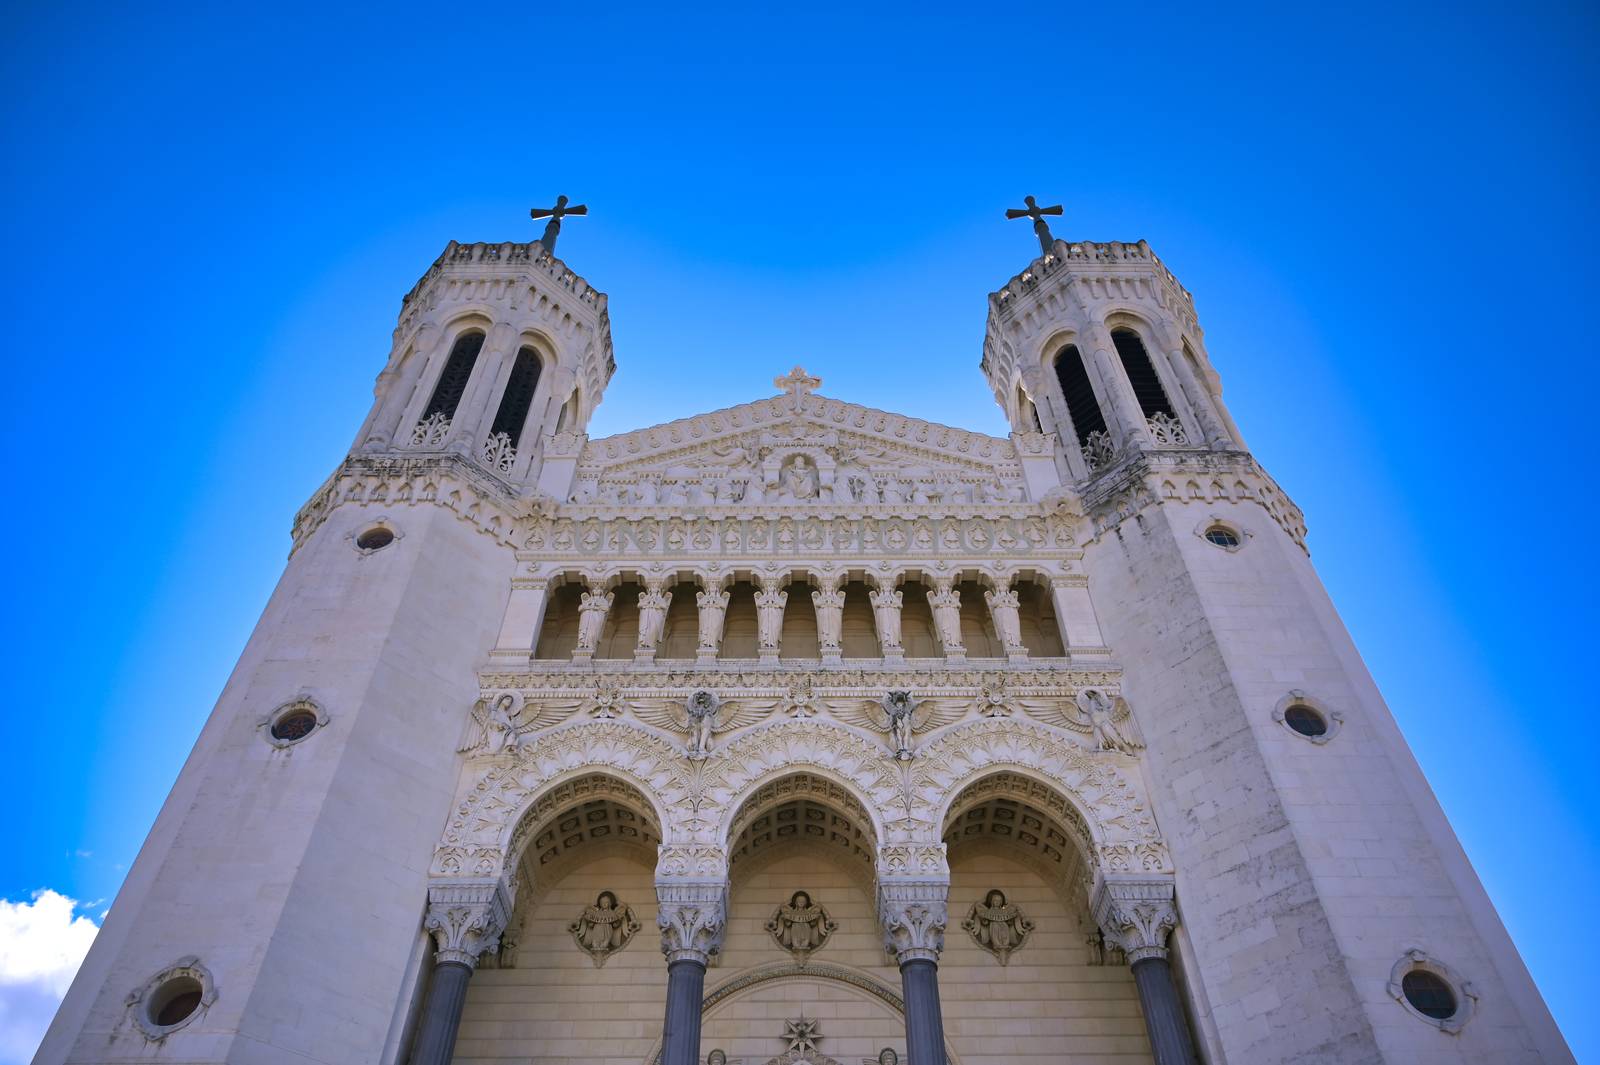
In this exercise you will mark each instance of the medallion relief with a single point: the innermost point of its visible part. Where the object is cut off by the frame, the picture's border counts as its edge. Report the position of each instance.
(801, 926)
(604, 928)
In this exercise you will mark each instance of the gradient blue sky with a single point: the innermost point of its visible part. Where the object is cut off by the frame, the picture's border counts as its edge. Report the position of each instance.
(1386, 216)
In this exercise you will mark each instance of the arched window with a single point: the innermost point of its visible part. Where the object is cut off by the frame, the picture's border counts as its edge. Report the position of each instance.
(457, 371)
(1079, 394)
(518, 396)
(1141, 374)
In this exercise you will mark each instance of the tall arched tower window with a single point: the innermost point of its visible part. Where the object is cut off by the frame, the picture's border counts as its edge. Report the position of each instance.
(457, 371)
(1141, 374)
(518, 396)
(1079, 394)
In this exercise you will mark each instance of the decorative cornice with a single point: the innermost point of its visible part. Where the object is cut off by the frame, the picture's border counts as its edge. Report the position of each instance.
(1143, 479)
(1136, 913)
(913, 914)
(692, 917)
(466, 917)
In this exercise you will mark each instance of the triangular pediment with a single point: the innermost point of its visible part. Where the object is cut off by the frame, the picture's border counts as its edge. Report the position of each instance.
(798, 448)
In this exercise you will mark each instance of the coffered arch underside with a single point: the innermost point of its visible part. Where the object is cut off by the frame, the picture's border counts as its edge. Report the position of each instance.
(698, 803)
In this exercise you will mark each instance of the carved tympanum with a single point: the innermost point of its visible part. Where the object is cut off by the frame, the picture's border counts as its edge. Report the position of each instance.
(604, 928)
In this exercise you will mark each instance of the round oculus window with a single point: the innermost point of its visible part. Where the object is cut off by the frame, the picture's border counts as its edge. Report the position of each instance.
(1429, 994)
(174, 1001)
(1305, 721)
(295, 725)
(1222, 536)
(373, 539)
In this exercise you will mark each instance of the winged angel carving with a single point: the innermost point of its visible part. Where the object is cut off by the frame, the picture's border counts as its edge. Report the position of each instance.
(1106, 718)
(902, 716)
(702, 716)
(498, 724)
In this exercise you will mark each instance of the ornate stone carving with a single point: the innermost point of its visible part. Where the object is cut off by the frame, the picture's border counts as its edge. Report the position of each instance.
(1099, 451)
(913, 914)
(499, 454)
(431, 431)
(1003, 605)
(593, 606)
(465, 918)
(1110, 721)
(691, 919)
(1166, 431)
(886, 610)
(770, 601)
(946, 604)
(492, 728)
(830, 620)
(604, 928)
(701, 716)
(901, 716)
(713, 605)
(801, 927)
(997, 926)
(1135, 914)
(653, 604)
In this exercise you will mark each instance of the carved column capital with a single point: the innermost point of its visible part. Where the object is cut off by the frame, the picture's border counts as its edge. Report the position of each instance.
(465, 918)
(913, 914)
(1136, 913)
(692, 916)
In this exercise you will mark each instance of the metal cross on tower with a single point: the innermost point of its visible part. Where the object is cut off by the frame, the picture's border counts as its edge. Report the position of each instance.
(552, 228)
(1037, 213)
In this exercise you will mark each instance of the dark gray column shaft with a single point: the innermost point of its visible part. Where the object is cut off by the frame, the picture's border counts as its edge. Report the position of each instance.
(919, 979)
(441, 1014)
(1163, 1012)
(680, 1037)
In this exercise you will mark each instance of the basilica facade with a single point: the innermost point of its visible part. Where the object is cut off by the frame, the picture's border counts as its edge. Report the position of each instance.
(801, 731)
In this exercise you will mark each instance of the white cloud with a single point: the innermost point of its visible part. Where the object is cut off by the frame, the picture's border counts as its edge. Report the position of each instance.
(41, 946)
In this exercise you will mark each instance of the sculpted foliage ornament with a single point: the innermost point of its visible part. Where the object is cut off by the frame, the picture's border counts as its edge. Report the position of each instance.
(913, 915)
(604, 928)
(691, 918)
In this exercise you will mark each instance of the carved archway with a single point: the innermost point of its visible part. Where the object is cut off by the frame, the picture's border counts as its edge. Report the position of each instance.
(862, 769)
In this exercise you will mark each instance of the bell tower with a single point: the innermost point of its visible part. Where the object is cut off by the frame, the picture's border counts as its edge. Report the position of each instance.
(1316, 871)
(260, 918)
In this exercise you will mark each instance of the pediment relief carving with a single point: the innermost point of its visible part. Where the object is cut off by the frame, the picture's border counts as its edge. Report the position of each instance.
(798, 449)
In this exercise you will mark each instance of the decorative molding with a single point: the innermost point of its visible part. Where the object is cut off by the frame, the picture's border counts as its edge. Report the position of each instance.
(913, 914)
(691, 917)
(465, 918)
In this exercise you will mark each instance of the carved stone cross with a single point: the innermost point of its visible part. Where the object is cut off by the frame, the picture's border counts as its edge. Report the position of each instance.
(1040, 228)
(797, 382)
(552, 228)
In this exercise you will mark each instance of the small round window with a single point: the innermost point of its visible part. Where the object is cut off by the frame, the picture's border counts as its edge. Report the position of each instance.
(174, 1001)
(1429, 994)
(1222, 536)
(1305, 721)
(375, 538)
(295, 725)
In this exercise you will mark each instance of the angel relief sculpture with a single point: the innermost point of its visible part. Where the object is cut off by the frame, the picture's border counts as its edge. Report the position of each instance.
(801, 927)
(497, 724)
(997, 926)
(901, 716)
(702, 716)
(604, 928)
(1106, 719)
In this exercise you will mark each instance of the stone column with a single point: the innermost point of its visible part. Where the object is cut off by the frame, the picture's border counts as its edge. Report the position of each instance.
(1003, 606)
(465, 919)
(1137, 914)
(691, 919)
(913, 915)
(1126, 418)
(713, 604)
(473, 415)
(829, 601)
(653, 603)
(593, 606)
(946, 604)
(770, 601)
(886, 612)
(394, 390)
(1075, 617)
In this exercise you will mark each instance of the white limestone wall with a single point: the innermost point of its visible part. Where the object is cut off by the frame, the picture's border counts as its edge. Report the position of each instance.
(298, 876)
(557, 1007)
(1304, 871)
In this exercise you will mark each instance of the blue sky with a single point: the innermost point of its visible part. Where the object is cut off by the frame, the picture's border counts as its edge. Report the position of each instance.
(1386, 217)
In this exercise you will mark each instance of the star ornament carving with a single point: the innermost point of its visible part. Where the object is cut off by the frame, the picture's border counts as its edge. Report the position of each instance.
(803, 1035)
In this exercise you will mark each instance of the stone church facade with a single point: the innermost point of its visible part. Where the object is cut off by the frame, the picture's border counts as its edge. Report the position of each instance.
(801, 731)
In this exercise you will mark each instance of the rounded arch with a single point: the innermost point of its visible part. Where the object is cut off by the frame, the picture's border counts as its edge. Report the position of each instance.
(556, 800)
(1118, 830)
(1025, 812)
(827, 751)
